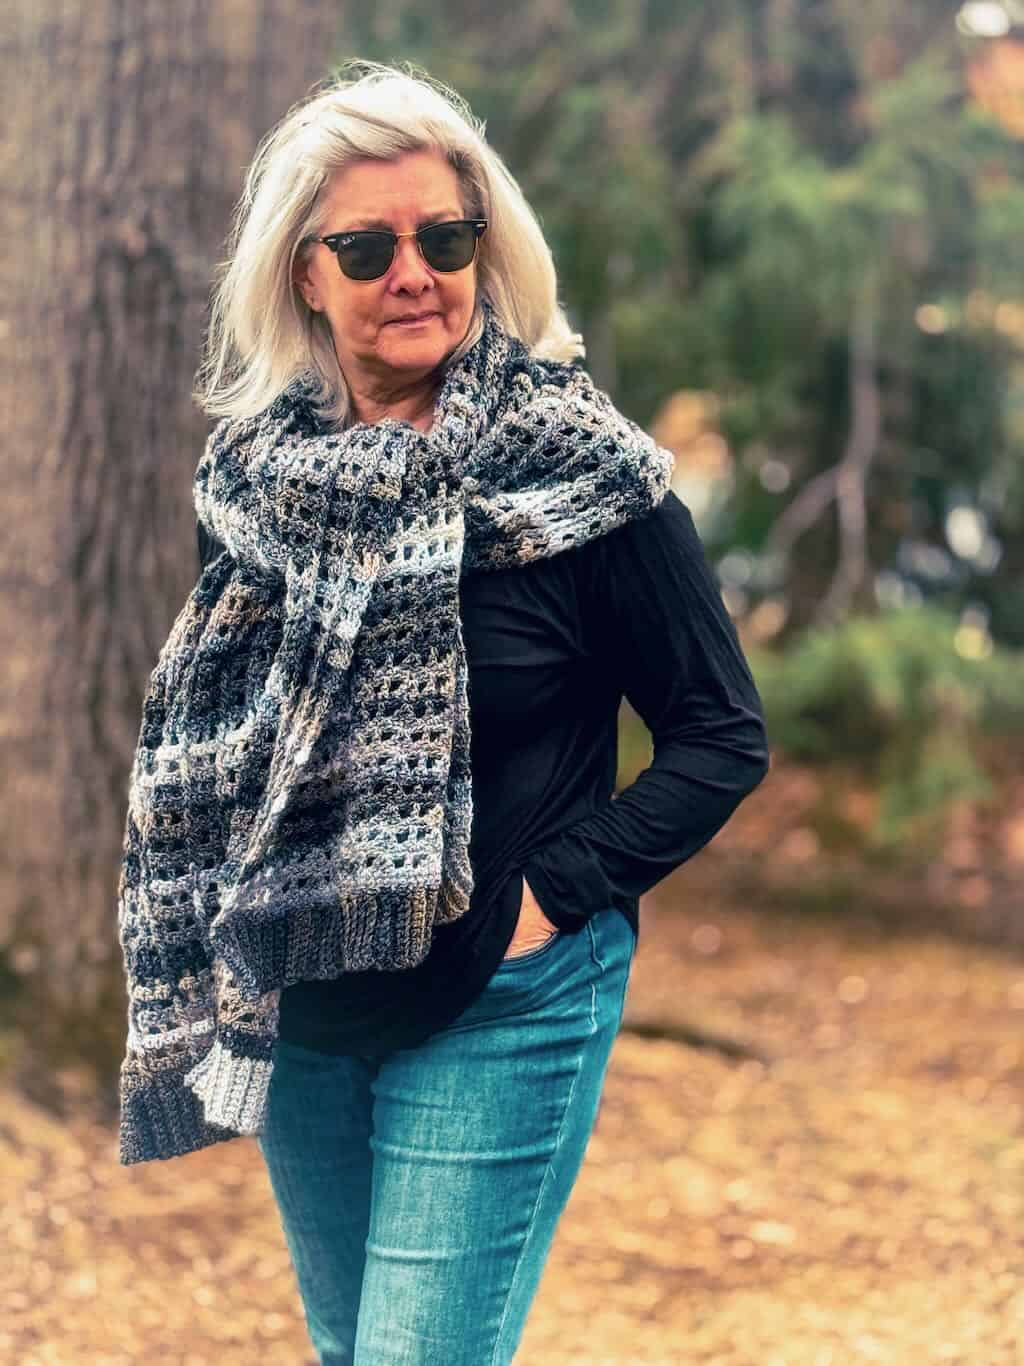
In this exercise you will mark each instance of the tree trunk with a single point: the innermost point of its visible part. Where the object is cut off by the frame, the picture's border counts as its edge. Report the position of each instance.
(126, 131)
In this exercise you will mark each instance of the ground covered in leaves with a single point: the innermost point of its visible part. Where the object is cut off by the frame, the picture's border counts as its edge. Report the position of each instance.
(809, 1152)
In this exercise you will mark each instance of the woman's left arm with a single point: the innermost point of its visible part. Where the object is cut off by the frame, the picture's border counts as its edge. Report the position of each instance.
(662, 628)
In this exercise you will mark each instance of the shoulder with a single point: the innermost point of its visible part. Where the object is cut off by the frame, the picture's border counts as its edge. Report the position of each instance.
(294, 408)
(653, 558)
(668, 525)
(532, 374)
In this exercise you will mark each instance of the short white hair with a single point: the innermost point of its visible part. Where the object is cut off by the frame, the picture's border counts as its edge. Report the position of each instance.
(262, 333)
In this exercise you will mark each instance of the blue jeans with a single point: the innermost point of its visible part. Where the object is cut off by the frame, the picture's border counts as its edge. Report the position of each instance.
(419, 1191)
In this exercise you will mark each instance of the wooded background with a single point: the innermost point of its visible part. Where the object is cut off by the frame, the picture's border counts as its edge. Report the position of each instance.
(790, 233)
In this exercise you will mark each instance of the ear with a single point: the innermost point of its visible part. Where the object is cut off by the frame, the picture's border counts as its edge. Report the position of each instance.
(302, 281)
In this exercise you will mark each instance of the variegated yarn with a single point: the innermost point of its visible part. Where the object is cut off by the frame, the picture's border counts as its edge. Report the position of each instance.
(300, 801)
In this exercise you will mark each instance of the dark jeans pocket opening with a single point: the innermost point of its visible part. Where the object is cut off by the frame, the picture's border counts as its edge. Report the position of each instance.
(531, 954)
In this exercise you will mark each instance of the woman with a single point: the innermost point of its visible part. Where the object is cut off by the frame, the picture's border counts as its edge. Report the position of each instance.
(378, 903)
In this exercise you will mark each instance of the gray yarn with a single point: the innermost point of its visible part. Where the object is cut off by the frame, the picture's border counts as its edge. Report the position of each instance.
(300, 801)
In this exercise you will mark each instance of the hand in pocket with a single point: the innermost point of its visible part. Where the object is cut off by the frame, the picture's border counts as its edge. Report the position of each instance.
(533, 927)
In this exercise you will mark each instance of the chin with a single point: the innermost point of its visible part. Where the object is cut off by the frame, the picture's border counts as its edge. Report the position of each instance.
(416, 354)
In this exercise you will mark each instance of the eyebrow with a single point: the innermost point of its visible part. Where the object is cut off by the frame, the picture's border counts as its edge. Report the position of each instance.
(378, 224)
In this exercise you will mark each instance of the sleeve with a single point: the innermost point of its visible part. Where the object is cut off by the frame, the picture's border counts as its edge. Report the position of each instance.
(660, 626)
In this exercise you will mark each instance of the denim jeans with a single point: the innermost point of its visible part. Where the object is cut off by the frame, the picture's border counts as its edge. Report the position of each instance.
(419, 1191)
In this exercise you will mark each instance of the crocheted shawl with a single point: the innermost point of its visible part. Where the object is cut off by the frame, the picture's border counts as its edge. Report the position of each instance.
(300, 800)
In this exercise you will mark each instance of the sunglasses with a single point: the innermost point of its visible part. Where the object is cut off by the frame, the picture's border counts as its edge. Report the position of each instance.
(445, 247)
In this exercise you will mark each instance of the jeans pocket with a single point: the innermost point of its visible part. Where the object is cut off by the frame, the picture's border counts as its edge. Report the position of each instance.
(531, 955)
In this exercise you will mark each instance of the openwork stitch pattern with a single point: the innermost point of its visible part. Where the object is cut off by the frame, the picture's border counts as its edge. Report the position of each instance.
(300, 801)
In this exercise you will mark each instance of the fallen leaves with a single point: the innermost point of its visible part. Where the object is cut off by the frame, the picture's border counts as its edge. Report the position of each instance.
(856, 1196)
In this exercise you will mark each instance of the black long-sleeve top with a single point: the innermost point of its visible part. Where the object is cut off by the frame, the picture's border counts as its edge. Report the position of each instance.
(552, 647)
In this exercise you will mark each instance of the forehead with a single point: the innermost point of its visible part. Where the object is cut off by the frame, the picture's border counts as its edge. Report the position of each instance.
(370, 193)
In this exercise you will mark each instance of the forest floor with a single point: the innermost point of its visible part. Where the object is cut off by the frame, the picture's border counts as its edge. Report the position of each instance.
(809, 1152)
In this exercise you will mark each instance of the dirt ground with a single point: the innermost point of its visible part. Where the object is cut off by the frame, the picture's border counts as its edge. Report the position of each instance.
(809, 1152)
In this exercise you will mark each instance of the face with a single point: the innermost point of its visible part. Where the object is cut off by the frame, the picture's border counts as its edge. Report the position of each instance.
(374, 349)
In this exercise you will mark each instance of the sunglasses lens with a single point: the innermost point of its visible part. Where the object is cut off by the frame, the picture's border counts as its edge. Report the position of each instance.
(365, 255)
(448, 246)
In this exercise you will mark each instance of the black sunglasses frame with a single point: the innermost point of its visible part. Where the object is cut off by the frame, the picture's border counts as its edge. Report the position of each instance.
(333, 240)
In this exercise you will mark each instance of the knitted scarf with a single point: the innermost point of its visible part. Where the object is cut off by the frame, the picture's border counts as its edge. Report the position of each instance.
(300, 800)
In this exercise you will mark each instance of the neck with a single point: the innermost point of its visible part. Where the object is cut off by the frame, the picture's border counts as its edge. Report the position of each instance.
(413, 403)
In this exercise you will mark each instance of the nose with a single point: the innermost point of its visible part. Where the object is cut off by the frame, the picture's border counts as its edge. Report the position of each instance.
(409, 272)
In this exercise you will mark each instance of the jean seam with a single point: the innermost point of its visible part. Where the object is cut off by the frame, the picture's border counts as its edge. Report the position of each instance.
(594, 952)
(547, 1170)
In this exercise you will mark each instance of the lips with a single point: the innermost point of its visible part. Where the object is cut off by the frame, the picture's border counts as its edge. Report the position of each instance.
(412, 318)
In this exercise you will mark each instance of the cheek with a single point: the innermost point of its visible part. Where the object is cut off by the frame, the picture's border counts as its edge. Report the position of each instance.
(463, 294)
(355, 314)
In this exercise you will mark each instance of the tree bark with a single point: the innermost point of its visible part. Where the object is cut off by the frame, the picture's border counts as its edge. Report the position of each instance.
(126, 131)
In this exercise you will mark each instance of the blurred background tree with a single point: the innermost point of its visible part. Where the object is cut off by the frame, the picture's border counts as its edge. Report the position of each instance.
(126, 132)
(810, 209)
(789, 232)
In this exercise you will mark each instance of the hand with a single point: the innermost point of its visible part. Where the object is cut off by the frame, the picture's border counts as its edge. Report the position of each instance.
(533, 928)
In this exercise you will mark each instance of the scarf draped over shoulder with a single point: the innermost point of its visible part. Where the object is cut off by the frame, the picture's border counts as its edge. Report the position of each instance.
(300, 802)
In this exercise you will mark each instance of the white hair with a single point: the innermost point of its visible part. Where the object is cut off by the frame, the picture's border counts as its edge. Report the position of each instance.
(262, 334)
